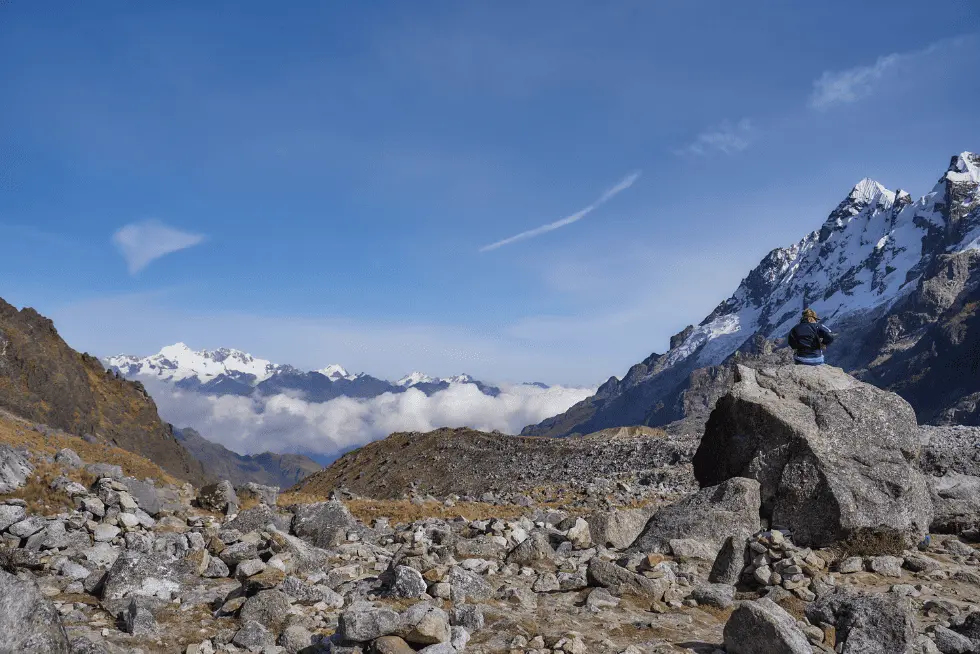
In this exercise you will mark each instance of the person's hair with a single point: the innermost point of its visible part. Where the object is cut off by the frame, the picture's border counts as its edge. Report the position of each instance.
(809, 315)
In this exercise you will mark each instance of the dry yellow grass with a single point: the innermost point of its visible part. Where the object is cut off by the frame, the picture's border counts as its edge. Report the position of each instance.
(16, 432)
(37, 492)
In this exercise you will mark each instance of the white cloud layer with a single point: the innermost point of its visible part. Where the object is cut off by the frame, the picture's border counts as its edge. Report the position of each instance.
(142, 243)
(726, 137)
(621, 186)
(287, 423)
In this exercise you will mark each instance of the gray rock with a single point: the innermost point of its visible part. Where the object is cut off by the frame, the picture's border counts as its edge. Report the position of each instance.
(146, 494)
(424, 624)
(835, 457)
(15, 469)
(618, 528)
(536, 552)
(219, 497)
(467, 586)
(28, 621)
(238, 552)
(889, 566)
(84, 645)
(950, 642)
(600, 599)
(27, 527)
(621, 581)
(68, 458)
(296, 638)
(956, 503)
(763, 627)
(264, 494)
(253, 636)
(407, 583)
(298, 555)
(104, 533)
(258, 518)
(469, 616)
(10, 514)
(323, 524)
(719, 595)
(142, 574)
(363, 622)
(139, 618)
(731, 560)
(865, 624)
(305, 593)
(269, 608)
(711, 516)
(216, 568)
(104, 470)
(970, 627)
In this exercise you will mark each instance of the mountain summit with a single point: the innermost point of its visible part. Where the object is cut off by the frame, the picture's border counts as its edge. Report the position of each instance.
(877, 255)
(227, 371)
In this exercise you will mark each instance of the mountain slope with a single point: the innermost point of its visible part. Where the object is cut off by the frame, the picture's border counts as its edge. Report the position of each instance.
(44, 380)
(881, 270)
(282, 470)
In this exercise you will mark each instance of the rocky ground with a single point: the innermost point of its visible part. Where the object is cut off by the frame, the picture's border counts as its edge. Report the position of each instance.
(96, 560)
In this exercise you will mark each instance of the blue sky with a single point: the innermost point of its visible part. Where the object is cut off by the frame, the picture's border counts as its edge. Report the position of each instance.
(326, 178)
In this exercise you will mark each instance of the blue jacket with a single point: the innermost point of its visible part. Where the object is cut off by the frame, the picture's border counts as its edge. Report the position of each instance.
(808, 339)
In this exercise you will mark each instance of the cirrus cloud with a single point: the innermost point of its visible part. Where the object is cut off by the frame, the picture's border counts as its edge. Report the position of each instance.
(142, 243)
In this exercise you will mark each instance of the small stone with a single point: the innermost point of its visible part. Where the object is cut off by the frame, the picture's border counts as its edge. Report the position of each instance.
(851, 565)
(888, 566)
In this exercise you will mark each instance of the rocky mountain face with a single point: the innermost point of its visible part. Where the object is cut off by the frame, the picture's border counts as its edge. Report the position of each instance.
(826, 521)
(233, 372)
(267, 468)
(44, 380)
(896, 278)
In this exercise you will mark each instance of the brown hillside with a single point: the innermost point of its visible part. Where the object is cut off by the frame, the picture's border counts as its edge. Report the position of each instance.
(43, 379)
(466, 462)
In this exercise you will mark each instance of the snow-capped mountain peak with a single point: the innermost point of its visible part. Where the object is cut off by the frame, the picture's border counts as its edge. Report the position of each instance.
(415, 378)
(178, 362)
(869, 191)
(335, 371)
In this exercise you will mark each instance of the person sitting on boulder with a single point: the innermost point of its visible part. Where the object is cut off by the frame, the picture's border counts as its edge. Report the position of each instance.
(809, 339)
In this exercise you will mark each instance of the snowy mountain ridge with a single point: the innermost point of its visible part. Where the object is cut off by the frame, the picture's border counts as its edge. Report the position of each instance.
(231, 371)
(869, 252)
(883, 270)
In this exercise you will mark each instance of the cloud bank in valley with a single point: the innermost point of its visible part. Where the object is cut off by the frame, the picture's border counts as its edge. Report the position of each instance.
(289, 423)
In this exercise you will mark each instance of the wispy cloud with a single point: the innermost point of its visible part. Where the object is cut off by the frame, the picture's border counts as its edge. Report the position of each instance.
(623, 184)
(836, 88)
(847, 86)
(142, 243)
(726, 137)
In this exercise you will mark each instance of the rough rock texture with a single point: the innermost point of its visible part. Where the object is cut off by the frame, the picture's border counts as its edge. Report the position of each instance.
(28, 621)
(323, 524)
(835, 457)
(43, 379)
(218, 497)
(618, 528)
(709, 516)
(14, 469)
(763, 627)
(956, 503)
(866, 624)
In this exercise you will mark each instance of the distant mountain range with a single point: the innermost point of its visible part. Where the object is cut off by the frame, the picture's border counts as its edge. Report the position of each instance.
(268, 468)
(897, 278)
(228, 371)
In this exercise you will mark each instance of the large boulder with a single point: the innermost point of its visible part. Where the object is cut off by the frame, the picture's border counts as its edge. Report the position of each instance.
(835, 457)
(258, 518)
(143, 574)
(28, 621)
(323, 524)
(763, 627)
(14, 469)
(219, 497)
(708, 517)
(618, 528)
(866, 624)
(956, 503)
